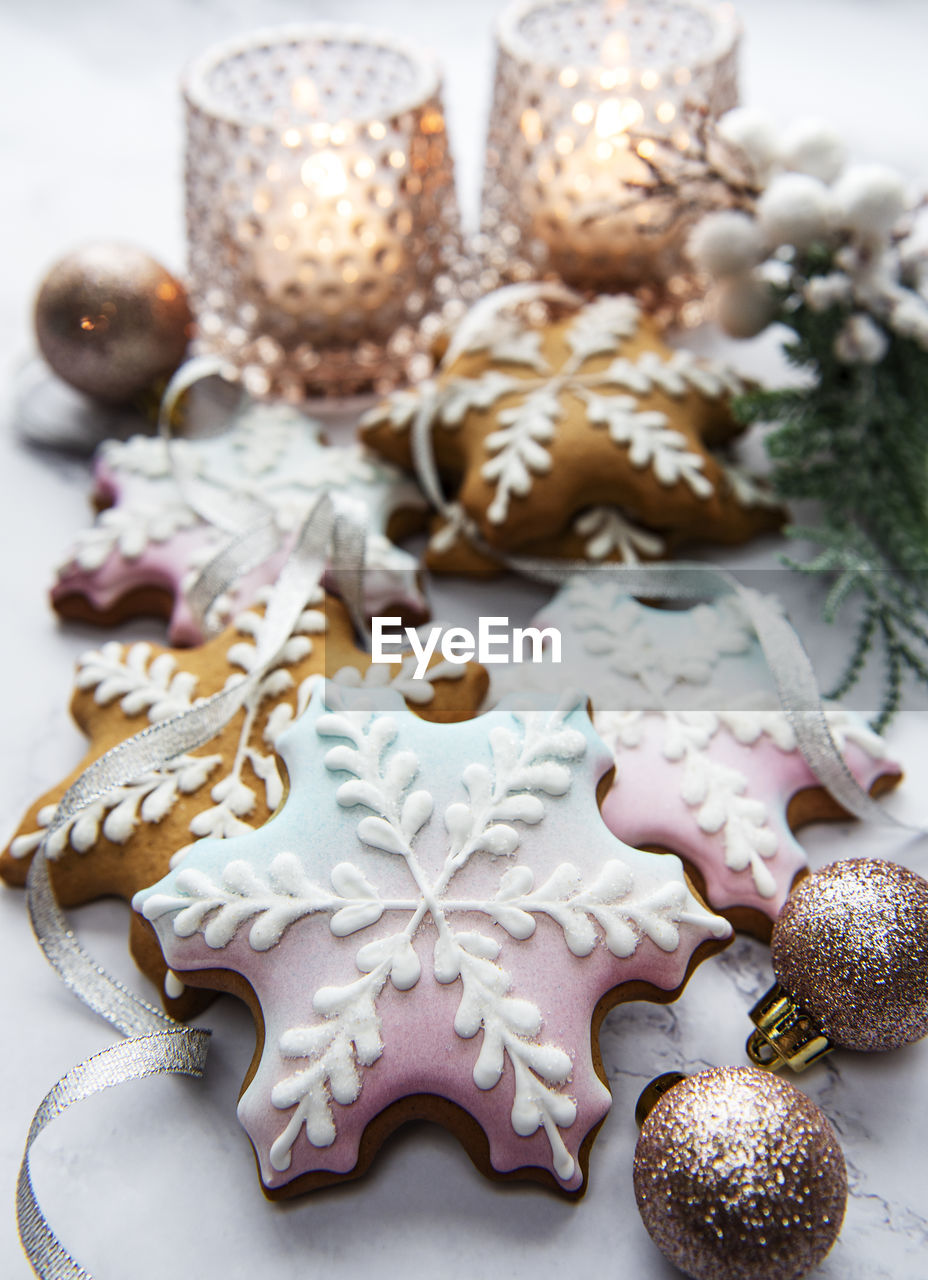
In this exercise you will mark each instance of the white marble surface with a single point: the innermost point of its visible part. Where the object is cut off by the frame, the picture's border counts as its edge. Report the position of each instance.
(157, 1177)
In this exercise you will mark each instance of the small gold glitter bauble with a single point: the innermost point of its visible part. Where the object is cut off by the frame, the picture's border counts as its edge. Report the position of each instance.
(739, 1176)
(109, 320)
(851, 948)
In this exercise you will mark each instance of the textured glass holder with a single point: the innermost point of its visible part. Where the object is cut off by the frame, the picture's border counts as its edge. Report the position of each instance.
(321, 214)
(595, 155)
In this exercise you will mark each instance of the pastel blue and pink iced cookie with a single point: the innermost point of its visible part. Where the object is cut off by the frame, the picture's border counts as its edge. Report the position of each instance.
(432, 925)
(159, 525)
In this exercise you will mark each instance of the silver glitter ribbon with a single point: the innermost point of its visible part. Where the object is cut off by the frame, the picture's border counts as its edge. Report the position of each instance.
(181, 1051)
(790, 666)
(250, 521)
(233, 518)
(156, 1044)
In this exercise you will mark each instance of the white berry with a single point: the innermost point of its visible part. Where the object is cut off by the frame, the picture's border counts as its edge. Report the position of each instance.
(861, 341)
(813, 147)
(869, 199)
(726, 243)
(753, 134)
(823, 292)
(795, 209)
(744, 305)
(910, 318)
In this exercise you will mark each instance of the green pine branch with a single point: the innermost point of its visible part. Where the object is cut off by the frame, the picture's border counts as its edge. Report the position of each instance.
(854, 439)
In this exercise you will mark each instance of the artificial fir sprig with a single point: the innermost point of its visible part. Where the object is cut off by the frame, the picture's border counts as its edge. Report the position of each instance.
(829, 252)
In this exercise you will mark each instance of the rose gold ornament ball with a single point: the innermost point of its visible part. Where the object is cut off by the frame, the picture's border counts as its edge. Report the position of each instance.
(739, 1176)
(109, 320)
(851, 947)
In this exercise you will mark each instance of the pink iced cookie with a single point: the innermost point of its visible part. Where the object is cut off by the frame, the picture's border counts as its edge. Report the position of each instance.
(146, 547)
(725, 790)
(706, 764)
(436, 916)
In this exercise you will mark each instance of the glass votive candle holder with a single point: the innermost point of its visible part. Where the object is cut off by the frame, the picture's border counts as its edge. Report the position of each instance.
(597, 139)
(322, 220)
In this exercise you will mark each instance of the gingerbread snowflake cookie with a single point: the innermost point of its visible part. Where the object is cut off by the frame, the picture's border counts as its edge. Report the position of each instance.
(150, 539)
(428, 928)
(130, 837)
(706, 762)
(582, 434)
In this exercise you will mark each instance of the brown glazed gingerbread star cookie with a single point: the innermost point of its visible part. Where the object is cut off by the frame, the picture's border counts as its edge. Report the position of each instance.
(133, 835)
(597, 535)
(536, 424)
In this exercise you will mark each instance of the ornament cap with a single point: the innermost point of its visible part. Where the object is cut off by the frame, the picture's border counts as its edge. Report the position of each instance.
(653, 1092)
(786, 1034)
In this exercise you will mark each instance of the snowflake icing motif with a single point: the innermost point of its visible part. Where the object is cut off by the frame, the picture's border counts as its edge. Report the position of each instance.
(131, 834)
(707, 764)
(155, 684)
(513, 410)
(272, 459)
(520, 448)
(451, 888)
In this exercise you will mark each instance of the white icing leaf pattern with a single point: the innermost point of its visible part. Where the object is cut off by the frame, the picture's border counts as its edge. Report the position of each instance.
(537, 761)
(509, 343)
(612, 901)
(272, 459)
(116, 815)
(348, 1038)
(129, 533)
(628, 636)
(457, 525)
(397, 411)
(440, 888)
(518, 449)
(746, 489)
(601, 325)
(401, 677)
(218, 910)
(689, 687)
(156, 688)
(651, 441)
(606, 531)
(140, 682)
(464, 394)
(718, 793)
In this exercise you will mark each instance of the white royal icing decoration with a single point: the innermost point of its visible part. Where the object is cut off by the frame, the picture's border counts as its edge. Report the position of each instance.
(529, 763)
(632, 661)
(605, 531)
(519, 449)
(158, 688)
(272, 459)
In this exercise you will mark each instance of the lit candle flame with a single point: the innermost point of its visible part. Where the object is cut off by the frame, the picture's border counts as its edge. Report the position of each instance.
(325, 174)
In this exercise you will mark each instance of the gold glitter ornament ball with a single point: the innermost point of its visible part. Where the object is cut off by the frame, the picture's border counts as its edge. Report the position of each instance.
(851, 947)
(739, 1176)
(110, 320)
